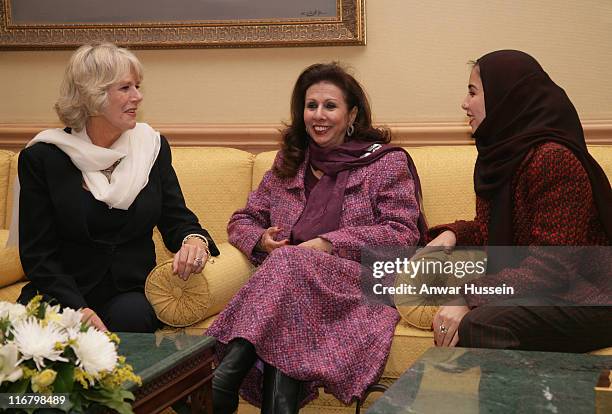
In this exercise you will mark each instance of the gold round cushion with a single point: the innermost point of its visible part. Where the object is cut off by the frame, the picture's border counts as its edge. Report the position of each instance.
(177, 302)
(418, 316)
(419, 310)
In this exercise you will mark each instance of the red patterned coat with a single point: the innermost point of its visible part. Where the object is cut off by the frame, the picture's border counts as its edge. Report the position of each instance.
(552, 206)
(303, 309)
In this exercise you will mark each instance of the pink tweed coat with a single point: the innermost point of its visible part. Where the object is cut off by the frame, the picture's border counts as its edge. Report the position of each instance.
(303, 309)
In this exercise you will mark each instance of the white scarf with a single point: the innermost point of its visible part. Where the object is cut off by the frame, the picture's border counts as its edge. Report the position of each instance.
(137, 148)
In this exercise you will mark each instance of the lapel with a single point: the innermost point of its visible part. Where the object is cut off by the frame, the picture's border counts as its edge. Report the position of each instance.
(293, 201)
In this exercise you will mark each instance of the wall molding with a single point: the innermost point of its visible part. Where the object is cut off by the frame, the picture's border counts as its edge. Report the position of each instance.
(264, 137)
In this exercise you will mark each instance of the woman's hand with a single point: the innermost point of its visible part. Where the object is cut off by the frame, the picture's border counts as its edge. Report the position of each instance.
(317, 244)
(446, 324)
(446, 239)
(91, 318)
(191, 258)
(267, 243)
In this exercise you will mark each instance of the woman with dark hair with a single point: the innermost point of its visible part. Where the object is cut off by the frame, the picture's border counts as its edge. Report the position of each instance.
(335, 187)
(536, 185)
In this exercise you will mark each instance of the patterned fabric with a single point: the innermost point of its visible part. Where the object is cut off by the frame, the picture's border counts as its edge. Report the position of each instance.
(303, 309)
(552, 206)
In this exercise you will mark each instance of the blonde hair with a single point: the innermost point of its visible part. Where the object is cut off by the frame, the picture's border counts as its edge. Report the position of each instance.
(92, 69)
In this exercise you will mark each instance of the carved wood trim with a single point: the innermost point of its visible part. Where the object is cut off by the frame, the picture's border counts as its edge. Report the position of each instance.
(346, 28)
(264, 137)
(190, 376)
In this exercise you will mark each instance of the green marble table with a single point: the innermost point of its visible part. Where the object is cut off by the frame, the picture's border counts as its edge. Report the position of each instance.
(462, 380)
(172, 367)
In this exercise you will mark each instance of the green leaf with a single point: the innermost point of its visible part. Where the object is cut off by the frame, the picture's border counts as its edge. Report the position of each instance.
(18, 387)
(79, 403)
(98, 394)
(111, 398)
(64, 382)
(121, 407)
(127, 395)
(42, 310)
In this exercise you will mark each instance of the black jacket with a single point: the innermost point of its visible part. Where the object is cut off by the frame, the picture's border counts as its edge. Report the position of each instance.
(60, 257)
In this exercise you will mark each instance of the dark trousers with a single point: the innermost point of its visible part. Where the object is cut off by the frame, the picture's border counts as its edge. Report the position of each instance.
(538, 328)
(122, 311)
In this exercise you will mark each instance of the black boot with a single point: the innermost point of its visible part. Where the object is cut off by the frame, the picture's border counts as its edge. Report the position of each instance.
(281, 394)
(228, 376)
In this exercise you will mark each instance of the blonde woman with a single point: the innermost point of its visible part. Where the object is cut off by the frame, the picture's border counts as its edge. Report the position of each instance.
(91, 194)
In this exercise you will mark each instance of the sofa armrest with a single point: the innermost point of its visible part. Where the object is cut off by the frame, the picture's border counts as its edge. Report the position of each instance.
(10, 265)
(182, 303)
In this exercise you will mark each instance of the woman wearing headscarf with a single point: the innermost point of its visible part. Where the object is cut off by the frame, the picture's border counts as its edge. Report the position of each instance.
(536, 185)
(336, 187)
(91, 194)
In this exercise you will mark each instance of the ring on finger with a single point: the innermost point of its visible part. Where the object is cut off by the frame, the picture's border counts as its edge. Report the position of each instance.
(198, 261)
(443, 329)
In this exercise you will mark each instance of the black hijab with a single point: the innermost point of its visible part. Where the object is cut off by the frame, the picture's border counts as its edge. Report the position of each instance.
(524, 108)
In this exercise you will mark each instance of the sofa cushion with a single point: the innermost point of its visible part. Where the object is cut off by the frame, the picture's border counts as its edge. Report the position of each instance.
(418, 316)
(263, 162)
(12, 292)
(447, 182)
(178, 302)
(436, 269)
(5, 184)
(10, 265)
(215, 182)
(9, 196)
(603, 155)
(182, 303)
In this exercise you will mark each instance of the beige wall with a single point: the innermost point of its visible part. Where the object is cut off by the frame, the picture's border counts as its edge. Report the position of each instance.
(414, 65)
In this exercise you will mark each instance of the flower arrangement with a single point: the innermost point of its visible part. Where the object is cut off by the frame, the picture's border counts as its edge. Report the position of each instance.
(50, 351)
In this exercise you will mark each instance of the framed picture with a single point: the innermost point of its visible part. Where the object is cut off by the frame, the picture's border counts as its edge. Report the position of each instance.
(66, 24)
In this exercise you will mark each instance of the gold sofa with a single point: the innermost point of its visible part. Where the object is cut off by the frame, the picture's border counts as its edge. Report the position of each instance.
(216, 182)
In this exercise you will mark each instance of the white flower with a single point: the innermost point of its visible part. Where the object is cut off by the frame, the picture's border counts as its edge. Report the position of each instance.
(70, 319)
(13, 311)
(95, 352)
(37, 342)
(52, 314)
(9, 368)
(72, 333)
(4, 309)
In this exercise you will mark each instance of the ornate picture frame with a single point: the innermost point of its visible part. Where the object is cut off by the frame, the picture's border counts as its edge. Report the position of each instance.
(44, 24)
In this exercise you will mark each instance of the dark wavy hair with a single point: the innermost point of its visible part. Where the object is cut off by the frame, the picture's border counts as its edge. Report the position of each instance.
(294, 137)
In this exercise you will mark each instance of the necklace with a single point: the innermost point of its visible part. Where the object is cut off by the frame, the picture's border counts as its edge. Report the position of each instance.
(109, 171)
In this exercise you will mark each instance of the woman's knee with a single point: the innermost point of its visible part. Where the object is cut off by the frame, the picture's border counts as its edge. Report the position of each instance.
(486, 328)
(130, 312)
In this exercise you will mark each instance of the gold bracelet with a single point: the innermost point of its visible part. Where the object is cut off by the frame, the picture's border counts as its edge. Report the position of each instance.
(206, 247)
(195, 235)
